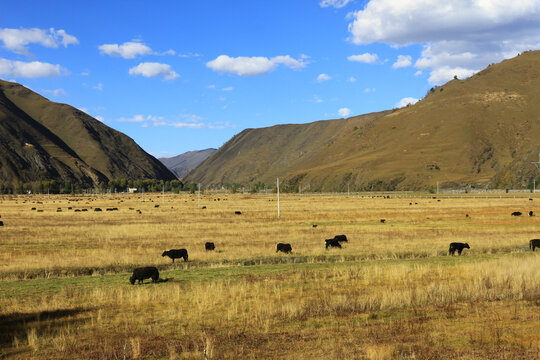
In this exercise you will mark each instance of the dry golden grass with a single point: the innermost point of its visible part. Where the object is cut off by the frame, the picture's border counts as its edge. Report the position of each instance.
(391, 292)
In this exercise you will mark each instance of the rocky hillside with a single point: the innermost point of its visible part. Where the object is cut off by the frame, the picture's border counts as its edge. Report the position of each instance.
(182, 164)
(43, 140)
(481, 131)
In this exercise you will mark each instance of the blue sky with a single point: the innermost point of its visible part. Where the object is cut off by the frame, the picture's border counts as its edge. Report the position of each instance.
(186, 75)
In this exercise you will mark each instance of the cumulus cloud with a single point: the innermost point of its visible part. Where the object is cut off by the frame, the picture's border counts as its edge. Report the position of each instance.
(17, 40)
(323, 77)
(459, 34)
(352, 79)
(34, 69)
(402, 61)
(406, 101)
(365, 58)
(98, 87)
(55, 92)
(100, 118)
(128, 50)
(334, 3)
(190, 121)
(252, 66)
(344, 112)
(152, 69)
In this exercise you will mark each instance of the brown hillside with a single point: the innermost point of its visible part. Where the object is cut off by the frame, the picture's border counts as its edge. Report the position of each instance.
(483, 130)
(87, 141)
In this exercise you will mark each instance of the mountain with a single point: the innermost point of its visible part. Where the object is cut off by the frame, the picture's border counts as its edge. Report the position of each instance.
(182, 164)
(482, 131)
(43, 140)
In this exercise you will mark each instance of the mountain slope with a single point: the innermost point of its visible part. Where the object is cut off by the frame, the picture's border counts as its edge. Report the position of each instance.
(105, 152)
(182, 164)
(482, 130)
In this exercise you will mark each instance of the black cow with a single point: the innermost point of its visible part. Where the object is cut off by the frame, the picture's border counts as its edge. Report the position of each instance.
(144, 273)
(531, 213)
(209, 246)
(286, 248)
(97, 209)
(176, 254)
(341, 238)
(457, 246)
(1, 223)
(516, 213)
(383, 221)
(534, 243)
(332, 243)
(238, 213)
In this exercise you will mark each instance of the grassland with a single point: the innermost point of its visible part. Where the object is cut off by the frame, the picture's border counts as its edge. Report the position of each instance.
(391, 292)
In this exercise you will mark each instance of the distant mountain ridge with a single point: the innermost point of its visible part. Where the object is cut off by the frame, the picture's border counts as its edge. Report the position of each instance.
(483, 131)
(43, 140)
(182, 164)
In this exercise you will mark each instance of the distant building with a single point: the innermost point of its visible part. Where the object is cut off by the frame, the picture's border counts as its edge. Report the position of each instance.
(132, 190)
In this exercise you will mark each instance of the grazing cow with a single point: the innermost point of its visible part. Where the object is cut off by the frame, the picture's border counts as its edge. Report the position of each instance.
(238, 213)
(176, 254)
(97, 209)
(466, 215)
(457, 246)
(516, 213)
(314, 225)
(332, 243)
(286, 248)
(33, 208)
(209, 246)
(534, 243)
(531, 213)
(156, 206)
(139, 274)
(383, 221)
(204, 207)
(1, 223)
(341, 238)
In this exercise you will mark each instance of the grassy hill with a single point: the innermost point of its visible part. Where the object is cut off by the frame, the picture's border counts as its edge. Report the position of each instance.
(481, 131)
(182, 164)
(43, 140)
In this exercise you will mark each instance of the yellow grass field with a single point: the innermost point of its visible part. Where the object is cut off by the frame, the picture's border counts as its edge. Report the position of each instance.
(391, 292)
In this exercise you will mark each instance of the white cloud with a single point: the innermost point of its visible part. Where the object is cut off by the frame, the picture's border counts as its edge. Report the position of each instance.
(190, 121)
(418, 73)
(334, 3)
(445, 73)
(211, 86)
(34, 69)
(55, 92)
(228, 88)
(344, 112)
(252, 66)
(152, 69)
(323, 77)
(99, 87)
(352, 79)
(17, 40)
(459, 34)
(365, 58)
(99, 118)
(406, 101)
(402, 61)
(85, 73)
(368, 90)
(128, 50)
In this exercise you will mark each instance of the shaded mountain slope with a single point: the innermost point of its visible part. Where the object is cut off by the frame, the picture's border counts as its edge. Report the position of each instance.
(109, 152)
(182, 164)
(484, 130)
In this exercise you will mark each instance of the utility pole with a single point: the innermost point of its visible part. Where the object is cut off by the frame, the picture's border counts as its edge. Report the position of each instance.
(347, 189)
(278, 198)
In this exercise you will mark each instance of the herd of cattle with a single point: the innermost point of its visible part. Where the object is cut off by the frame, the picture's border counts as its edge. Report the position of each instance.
(142, 273)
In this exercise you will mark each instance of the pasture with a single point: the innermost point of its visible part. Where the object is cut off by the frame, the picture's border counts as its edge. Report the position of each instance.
(391, 292)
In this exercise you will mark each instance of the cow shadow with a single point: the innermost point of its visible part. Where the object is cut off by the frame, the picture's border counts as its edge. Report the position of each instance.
(17, 325)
